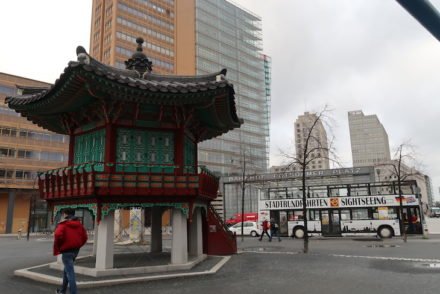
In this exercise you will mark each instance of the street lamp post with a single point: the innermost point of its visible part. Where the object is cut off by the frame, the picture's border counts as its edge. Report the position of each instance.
(31, 215)
(243, 189)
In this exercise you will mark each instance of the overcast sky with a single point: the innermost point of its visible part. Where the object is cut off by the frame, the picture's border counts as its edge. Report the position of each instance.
(368, 55)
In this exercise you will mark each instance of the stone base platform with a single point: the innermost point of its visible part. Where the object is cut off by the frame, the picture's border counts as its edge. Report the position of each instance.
(128, 268)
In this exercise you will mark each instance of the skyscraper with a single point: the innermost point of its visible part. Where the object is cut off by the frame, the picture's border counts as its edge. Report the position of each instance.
(117, 23)
(369, 140)
(318, 144)
(197, 37)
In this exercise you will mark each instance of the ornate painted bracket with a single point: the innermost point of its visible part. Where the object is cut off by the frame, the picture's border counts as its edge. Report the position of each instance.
(92, 207)
(107, 207)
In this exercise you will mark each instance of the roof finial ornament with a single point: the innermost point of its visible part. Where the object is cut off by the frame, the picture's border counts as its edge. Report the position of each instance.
(139, 60)
(82, 55)
(139, 41)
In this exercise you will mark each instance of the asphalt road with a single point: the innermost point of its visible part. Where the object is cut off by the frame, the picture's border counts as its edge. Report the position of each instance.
(332, 266)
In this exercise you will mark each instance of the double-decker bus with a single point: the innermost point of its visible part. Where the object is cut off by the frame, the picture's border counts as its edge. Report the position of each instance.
(343, 210)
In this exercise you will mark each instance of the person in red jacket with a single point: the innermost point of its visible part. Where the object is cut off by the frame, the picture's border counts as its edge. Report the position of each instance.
(69, 237)
(265, 227)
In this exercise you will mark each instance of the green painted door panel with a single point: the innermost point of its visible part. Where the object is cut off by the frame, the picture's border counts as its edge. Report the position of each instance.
(144, 151)
(89, 150)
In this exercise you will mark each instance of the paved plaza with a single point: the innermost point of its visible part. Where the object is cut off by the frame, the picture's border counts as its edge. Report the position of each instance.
(360, 265)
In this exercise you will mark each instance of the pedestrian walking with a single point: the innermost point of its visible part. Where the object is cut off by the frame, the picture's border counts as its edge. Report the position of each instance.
(274, 230)
(20, 232)
(70, 235)
(265, 227)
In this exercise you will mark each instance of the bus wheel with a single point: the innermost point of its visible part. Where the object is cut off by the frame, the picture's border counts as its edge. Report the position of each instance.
(298, 232)
(385, 232)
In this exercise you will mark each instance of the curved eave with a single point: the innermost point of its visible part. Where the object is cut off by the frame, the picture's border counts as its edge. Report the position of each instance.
(220, 117)
(126, 87)
(83, 83)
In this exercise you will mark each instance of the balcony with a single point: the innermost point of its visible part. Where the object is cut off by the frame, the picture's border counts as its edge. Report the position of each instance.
(92, 180)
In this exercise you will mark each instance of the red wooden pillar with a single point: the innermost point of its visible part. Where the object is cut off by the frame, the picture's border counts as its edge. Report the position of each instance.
(179, 147)
(110, 148)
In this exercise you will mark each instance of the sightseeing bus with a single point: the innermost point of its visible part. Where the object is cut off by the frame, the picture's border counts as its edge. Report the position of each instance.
(368, 209)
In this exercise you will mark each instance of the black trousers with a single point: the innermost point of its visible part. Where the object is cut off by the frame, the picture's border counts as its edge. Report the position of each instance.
(265, 232)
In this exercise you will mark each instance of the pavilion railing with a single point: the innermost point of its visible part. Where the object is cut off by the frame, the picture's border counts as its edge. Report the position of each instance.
(125, 178)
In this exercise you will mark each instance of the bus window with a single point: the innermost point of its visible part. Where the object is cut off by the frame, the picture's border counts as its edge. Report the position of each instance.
(345, 214)
(298, 215)
(360, 213)
(407, 189)
(317, 192)
(375, 211)
(384, 213)
(359, 191)
(338, 192)
(294, 193)
(324, 217)
(314, 215)
(280, 193)
(264, 195)
(295, 215)
(392, 212)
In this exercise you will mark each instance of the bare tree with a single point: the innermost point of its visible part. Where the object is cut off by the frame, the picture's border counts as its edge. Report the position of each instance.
(402, 168)
(314, 147)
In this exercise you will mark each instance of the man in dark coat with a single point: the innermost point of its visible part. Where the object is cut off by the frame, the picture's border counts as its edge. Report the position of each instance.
(69, 237)
(274, 230)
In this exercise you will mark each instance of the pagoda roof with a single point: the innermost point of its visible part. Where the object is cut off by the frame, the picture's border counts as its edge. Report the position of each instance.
(87, 81)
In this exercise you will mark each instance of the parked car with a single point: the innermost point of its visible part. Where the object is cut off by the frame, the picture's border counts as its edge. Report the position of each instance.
(249, 228)
(247, 217)
(435, 212)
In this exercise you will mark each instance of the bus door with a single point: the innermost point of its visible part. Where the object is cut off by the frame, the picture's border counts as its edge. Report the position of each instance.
(280, 218)
(412, 223)
(330, 222)
(283, 223)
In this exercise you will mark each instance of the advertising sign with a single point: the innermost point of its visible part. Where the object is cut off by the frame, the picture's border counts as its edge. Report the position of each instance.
(340, 202)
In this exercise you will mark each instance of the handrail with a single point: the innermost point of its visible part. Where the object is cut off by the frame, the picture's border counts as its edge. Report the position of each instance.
(220, 221)
(204, 169)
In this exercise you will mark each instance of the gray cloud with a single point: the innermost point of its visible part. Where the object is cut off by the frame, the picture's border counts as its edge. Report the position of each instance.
(353, 54)
(349, 54)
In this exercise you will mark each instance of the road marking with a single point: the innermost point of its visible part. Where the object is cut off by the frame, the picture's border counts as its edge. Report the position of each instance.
(267, 252)
(434, 265)
(387, 258)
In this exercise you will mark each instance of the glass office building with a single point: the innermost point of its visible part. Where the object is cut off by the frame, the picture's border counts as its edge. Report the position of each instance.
(228, 36)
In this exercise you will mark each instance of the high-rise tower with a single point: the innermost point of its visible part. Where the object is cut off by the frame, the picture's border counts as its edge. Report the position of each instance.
(319, 144)
(369, 140)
